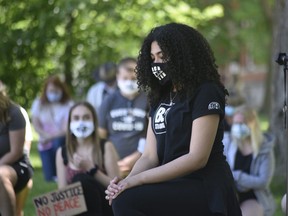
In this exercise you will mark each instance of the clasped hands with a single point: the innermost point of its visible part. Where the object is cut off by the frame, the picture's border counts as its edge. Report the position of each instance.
(81, 162)
(116, 187)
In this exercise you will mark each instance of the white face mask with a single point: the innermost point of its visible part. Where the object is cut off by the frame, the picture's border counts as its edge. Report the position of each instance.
(128, 87)
(240, 131)
(82, 129)
(54, 96)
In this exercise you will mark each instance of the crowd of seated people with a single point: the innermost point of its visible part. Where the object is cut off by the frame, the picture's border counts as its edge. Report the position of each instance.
(79, 141)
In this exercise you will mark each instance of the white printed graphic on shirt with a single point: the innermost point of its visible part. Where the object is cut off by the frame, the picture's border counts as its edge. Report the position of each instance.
(159, 123)
(213, 105)
(127, 119)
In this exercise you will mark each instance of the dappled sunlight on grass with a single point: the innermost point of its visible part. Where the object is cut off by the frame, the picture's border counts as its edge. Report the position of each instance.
(35, 160)
(264, 122)
(264, 126)
(34, 155)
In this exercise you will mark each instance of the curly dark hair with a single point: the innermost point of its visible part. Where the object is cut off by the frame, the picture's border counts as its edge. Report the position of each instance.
(190, 61)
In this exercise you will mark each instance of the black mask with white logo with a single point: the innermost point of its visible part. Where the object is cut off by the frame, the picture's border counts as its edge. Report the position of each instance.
(158, 69)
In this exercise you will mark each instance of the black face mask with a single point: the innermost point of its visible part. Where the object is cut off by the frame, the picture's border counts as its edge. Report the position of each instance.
(158, 69)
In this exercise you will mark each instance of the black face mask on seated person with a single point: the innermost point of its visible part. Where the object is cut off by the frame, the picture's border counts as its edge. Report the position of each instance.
(158, 69)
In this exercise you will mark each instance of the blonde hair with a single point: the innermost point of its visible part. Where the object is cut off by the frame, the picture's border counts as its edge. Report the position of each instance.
(251, 119)
(71, 141)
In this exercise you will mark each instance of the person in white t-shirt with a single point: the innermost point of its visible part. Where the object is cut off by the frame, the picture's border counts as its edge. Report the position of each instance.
(49, 118)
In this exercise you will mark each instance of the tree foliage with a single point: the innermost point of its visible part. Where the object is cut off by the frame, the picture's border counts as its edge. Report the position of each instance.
(243, 29)
(73, 37)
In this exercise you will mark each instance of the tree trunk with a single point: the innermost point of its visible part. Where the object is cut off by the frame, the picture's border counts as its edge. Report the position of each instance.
(280, 44)
(68, 54)
(267, 11)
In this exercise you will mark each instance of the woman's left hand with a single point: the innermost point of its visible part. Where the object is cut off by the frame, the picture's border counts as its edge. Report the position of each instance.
(114, 189)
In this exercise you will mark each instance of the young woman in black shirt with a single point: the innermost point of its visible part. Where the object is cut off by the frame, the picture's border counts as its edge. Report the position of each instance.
(183, 170)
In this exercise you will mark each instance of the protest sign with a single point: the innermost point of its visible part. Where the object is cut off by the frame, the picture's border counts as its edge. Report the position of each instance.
(66, 201)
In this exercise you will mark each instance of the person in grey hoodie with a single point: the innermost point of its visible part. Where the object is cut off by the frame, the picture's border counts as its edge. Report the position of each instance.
(250, 155)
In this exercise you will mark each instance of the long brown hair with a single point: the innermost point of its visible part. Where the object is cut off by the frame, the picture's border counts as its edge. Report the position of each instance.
(4, 104)
(55, 80)
(71, 141)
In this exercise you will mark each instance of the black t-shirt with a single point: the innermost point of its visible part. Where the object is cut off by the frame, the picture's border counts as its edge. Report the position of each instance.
(243, 163)
(172, 123)
(16, 122)
(172, 126)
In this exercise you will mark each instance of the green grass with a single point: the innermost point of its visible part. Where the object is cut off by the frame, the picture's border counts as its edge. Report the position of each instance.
(278, 189)
(40, 186)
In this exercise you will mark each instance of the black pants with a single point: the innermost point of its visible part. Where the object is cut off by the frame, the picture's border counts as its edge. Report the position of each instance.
(168, 198)
(179, 197)
(94, 194)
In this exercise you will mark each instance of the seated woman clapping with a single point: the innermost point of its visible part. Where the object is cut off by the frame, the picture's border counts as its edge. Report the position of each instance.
(87, 159)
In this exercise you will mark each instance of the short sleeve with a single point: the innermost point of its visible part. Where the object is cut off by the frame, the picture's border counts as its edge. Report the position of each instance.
(151, 112)
(17, 120)
(28, 135)
(209, 99)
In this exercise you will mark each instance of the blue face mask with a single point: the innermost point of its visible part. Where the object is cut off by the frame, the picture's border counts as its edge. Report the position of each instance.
(229, 110)
(158, 70)
(54, 96)
(240, 131)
